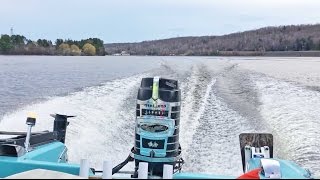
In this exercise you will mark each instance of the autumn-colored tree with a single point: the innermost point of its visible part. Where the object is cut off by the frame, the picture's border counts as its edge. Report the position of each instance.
(89, 50)
(75, 51)
(18, 44)
(64, 49)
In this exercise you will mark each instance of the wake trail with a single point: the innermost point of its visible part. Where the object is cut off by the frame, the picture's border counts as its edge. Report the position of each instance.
(212, 130)
(104, 126)
(292, 114)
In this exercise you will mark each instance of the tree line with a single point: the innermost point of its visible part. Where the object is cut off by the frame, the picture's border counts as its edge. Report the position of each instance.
(255, 42)
(20, 45)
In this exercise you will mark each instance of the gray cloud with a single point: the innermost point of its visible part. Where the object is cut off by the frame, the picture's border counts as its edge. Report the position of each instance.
(137, 20)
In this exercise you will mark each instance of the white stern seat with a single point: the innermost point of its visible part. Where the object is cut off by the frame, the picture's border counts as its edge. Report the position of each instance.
(271, 168)
(43, 174)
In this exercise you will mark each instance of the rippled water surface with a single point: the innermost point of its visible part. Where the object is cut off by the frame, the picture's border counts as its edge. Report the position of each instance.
(221, 98)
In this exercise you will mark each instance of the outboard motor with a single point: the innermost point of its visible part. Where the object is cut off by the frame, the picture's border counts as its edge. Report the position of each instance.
(60, 126)
(157, 125)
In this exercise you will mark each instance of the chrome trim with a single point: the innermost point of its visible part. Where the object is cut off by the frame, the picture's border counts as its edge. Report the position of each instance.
(173, 142)
(172, 150)
(63, 152)
(159, 102)
(149, 159)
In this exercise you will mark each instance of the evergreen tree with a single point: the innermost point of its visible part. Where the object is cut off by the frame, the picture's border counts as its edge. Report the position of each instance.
(5, 43)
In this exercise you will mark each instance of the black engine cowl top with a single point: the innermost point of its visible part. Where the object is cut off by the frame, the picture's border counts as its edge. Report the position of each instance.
(162, 101)
(168, 90)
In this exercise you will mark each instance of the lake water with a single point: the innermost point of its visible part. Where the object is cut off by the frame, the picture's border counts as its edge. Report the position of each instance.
(221, 98)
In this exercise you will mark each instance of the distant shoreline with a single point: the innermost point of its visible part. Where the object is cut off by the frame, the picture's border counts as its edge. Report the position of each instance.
(293, 53)
(251, 53)
(270, 53)
(291, 40)
(223, 53)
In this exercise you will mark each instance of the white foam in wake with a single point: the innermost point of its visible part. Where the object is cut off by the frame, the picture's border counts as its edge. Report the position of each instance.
(292, 113)
(103, 128)
(209, 128)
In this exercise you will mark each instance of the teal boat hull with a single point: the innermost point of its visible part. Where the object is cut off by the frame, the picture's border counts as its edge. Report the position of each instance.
(50, 157)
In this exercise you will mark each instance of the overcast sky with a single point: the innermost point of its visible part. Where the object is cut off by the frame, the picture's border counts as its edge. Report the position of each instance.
(138, 20)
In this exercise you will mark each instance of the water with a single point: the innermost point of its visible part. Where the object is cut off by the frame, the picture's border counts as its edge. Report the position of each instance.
(221, 98)
(26, 79)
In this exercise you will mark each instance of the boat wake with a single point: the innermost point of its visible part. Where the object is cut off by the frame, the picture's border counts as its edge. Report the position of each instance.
(219, 101)
(209, 128)
(291, 113)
